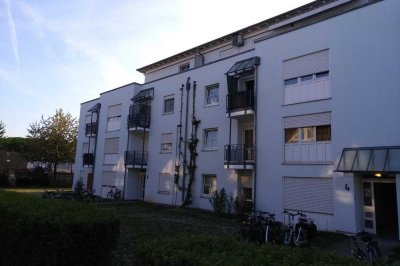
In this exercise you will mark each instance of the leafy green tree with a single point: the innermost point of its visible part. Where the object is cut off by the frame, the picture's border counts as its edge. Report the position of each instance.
(53, 140)
(17, 144)
(2, 129)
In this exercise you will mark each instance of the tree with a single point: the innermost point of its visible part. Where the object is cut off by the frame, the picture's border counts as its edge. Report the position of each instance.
(17, 144)
(2, 129)
(53, 140)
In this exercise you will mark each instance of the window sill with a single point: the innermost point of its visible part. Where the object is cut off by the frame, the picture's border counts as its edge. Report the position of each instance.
(163, 192)
(310, 101)
(206, 196)
(165, 152)
(307, 163)
(169, 113)
(211, 105)
(211, 149)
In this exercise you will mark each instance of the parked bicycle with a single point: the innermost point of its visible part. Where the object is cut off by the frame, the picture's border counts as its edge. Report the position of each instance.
(114, 193)
(300, 233)
(371, 251)
(260, 227)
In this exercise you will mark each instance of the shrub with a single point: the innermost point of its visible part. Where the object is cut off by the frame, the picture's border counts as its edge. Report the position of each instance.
(242, 205)
(222, 250)
(221, 202)
(36, 231)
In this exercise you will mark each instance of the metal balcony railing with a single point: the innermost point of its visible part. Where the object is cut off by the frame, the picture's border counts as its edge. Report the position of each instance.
(139, 116)
(239, 154)
(242, 100)
(88, 158)
(91, 129)
(136, 158)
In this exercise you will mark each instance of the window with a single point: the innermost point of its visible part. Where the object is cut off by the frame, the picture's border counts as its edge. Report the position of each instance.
(164, 183)
(308, 138)
(323, 133)
(111, 148)
(209, 185)
(166, 143)
(184, 67)
(306, 78)
(307, 134)
(114, 118)
(210, 139)
(169, 104)
(212, 94)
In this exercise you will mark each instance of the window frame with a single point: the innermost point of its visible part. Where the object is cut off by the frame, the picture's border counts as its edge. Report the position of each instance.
(209, 181)
(163, 144)
(184, 67)
(169, 98)
(300, 134)
(215, 88)
(214, 139)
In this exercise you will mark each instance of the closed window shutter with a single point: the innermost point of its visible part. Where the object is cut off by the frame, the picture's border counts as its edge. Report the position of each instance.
(109, 178)
(318, 119)
(165, 183)
(308, 194)
(111, 145)
(307, 64)
(166, 138)
(114, 110)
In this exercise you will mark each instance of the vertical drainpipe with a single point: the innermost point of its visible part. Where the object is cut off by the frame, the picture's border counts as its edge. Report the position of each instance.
(255, 135)
(127, 149)
(95, 141)
(186, 138)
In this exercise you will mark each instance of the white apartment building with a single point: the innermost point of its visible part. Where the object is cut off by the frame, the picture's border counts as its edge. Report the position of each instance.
(298, 112)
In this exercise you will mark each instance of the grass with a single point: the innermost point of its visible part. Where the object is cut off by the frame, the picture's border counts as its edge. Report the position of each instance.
(145, 222)
(35, 189)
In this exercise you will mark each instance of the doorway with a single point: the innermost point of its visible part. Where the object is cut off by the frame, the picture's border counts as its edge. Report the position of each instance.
(89, 182)
(142, 184)
(248, 145)
(380, 208)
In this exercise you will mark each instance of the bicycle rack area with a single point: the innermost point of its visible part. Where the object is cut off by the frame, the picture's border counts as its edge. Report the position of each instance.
(261, 227)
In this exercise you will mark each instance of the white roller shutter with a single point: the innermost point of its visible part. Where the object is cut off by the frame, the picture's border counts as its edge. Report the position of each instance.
(308, 194)
(307, 64)
(114, 110)
(109, 178)
(166, 138)
(318, 119)
(111, 145)
(165, 183)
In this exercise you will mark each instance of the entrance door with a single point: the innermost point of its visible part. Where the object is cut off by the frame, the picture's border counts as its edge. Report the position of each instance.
(89, 182)
(369, 207)
(142, 180)
(248, 145)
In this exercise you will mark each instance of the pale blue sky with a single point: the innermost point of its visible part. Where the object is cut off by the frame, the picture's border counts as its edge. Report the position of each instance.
(57, 54)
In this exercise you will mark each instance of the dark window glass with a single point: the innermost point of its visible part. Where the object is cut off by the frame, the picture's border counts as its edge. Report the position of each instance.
(291, 135)
(306, 78)
(290, 81)
(169, 105)
(323, 133)
(322, 74)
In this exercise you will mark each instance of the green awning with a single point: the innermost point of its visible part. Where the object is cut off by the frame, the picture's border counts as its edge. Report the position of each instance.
(370, 160)
(243, 67)
(144, 95)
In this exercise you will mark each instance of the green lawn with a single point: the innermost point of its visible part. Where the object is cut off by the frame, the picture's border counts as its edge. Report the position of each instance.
(160, 229)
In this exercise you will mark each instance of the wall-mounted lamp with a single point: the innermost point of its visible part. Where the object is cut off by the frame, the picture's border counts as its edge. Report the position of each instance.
(346, 187)
(378, 175)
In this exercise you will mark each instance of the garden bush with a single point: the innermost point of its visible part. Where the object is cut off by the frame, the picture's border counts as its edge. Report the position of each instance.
(36, 231)
(221, 250)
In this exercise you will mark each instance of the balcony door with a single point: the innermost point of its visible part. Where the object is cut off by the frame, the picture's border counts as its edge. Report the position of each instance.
(248, 144)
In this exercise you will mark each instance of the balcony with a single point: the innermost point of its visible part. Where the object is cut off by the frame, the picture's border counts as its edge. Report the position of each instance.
(91, 129)
(240, 103)
(239, 156)
(88, 158)
(136, 159)
(139, 117)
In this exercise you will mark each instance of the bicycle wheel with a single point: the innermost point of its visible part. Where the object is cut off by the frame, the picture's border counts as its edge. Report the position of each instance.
(300, 237)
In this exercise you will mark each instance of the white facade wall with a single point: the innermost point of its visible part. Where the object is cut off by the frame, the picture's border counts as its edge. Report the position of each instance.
(362, 102)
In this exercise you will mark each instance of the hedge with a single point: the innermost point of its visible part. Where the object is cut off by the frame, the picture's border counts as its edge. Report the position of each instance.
(36, 231)
(220, 250)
